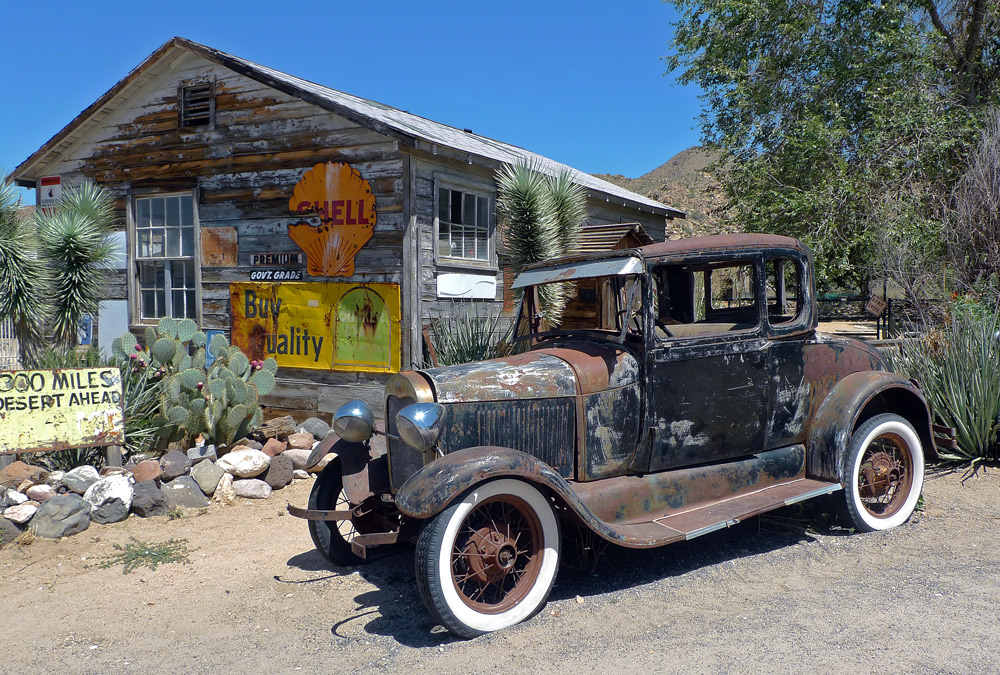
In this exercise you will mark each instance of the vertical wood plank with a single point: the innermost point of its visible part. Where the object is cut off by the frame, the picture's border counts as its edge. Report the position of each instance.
(113, 455)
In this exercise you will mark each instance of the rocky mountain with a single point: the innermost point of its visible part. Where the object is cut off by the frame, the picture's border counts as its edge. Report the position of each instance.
(684, 183)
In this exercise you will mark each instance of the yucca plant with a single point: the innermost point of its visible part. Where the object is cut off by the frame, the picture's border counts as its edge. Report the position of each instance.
(75, 238)
(464, 335)
(24, 278)
(959, 371)
(539, 217)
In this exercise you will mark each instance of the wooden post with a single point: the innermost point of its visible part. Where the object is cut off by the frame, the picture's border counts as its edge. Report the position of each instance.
(113, 455)
(6, 460)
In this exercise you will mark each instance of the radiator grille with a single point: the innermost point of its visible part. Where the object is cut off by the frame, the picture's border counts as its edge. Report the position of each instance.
(404, 461)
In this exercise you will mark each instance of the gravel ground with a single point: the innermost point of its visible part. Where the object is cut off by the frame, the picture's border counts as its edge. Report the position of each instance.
(788, 592)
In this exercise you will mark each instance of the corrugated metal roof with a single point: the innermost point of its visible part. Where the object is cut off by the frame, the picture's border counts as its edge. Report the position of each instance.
(429, 130)
(606, 237)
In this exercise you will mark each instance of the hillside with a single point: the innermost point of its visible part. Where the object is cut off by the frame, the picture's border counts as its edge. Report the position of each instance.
(683, 182)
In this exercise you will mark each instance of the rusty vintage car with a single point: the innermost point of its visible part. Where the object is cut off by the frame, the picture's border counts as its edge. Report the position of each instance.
(684, 389)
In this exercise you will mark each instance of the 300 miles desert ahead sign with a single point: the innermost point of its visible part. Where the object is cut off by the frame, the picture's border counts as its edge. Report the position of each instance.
(59, 409)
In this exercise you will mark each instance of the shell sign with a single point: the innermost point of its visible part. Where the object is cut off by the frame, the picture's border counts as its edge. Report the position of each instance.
(344, 202)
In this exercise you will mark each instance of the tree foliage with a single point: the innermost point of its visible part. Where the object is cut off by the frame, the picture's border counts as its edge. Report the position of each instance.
(838, 118)
(539, 217)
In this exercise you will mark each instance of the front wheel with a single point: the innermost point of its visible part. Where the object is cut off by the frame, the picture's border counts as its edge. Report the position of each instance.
(884, 473)
(489, 560)
(332, 537)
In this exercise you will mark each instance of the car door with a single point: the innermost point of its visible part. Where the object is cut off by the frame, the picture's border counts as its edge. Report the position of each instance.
(708, 364)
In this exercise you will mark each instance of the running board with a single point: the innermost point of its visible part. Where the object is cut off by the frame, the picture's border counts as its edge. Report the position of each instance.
(701, 520)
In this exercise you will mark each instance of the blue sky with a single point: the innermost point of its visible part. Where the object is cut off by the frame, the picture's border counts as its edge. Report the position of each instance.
(580, 82)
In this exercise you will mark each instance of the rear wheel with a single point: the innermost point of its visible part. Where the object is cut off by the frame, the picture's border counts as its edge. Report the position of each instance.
(332, 537)
(489, 560)
(884, 473)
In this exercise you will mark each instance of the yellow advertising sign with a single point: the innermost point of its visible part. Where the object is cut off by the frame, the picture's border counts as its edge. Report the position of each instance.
(345, 205)
(322, 326)
(58, 409)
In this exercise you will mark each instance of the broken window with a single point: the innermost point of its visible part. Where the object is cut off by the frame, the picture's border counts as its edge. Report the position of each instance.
(164, 254)
(197, 106)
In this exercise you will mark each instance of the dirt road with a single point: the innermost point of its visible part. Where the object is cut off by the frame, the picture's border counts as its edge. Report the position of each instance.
(778, 594)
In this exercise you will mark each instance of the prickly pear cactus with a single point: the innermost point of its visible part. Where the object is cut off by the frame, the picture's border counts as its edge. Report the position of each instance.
(220, 402)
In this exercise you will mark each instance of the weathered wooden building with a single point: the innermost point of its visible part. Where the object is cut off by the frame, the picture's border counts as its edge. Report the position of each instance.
(308, 224)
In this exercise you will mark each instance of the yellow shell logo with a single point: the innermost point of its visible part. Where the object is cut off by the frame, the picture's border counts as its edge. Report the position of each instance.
(344, 202)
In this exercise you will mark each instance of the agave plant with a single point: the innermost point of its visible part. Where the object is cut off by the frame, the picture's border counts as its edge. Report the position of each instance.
(957, 369)
(76, 239)
(464, 335)
(540, 219)
(24, 278)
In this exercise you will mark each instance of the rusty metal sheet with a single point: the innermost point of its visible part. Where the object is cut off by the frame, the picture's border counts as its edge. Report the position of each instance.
(219, 247)
(532, 375)
(579, 270)
(59, 409)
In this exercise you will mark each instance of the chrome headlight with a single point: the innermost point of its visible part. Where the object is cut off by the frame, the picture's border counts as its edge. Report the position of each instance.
(420, 425)
(354, 421)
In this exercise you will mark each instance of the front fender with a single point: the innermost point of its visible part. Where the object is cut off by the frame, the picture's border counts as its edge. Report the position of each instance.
(861, 393)
(434, 486)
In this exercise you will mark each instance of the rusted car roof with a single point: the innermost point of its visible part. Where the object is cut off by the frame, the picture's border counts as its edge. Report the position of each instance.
(721, 242)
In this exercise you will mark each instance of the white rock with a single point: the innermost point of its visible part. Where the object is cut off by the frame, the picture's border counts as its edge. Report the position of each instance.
(116, 486)
(225, 493)
(21, 513)
(245, 463)
(55, 478)
(300, 458)
(301, 474)
(252, 489)
(14, 497)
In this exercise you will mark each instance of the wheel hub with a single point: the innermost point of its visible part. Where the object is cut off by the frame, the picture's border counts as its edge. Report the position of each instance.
(491, 554)
(880, 473)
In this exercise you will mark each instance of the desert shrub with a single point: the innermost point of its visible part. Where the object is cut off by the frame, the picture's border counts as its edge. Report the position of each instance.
(957, 367)
(468, 333)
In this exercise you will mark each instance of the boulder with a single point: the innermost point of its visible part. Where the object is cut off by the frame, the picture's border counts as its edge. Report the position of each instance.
(183, 492)
(252, 488)
(61, 516)
(111, 511)
(22, 513)
(114, 487)
(40, 493)
(23, 487)
(225, 493)
(148, 500)
(202, 452)
(274, 447)
(146, 471)
(80, 478)
(55, 478)
(321, 464)
(207, 475)
(244, 462)
(279, 473)
(301, 441)
(17, 472)
(13, 498)
(299, 457)
(8, 532)
(110, 471)
(278, 427)
(315, 426)
(247, 443)
(174, 464)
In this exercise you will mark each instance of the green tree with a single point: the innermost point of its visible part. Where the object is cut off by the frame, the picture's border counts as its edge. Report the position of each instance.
(75, 238)
(24, 277)
(540, 217)
(838, 119)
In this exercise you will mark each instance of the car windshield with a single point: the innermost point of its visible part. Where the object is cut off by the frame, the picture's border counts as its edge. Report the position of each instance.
(602, 297)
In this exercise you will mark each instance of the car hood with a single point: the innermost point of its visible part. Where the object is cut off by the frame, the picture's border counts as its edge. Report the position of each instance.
(567, 370)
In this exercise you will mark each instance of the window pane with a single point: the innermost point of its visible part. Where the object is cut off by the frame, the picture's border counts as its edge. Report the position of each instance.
(142, 213)
(187, 241)
(469, 210)
(482, 244)
(179, 309)
(443, 205)
(457, 241)
(144, 236)
(173, 242)
(187, 272)
(483, 228)
(156, 245)
(192, 308)
(456, 206)
(444, 238)
(187, 211)
(148, 304)
(157, 212)
(173, 211)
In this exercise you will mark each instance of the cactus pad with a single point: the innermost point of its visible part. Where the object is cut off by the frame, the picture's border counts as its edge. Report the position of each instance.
(263, 380)
(186, 330)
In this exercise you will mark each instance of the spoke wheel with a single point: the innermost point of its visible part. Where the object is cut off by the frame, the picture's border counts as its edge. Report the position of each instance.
(885, 474)
(333, 537)
(489, 560)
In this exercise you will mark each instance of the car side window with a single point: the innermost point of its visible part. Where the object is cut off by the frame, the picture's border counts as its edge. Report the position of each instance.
(785, 298)
(705, 299)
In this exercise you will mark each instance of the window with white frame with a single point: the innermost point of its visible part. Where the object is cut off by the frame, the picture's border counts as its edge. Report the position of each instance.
(166, 264)
(464, 224)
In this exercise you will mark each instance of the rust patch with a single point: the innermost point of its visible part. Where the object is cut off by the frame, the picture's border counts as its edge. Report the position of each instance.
(219, 247)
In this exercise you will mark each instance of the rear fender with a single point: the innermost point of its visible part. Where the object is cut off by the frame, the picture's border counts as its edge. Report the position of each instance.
(854, 399)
